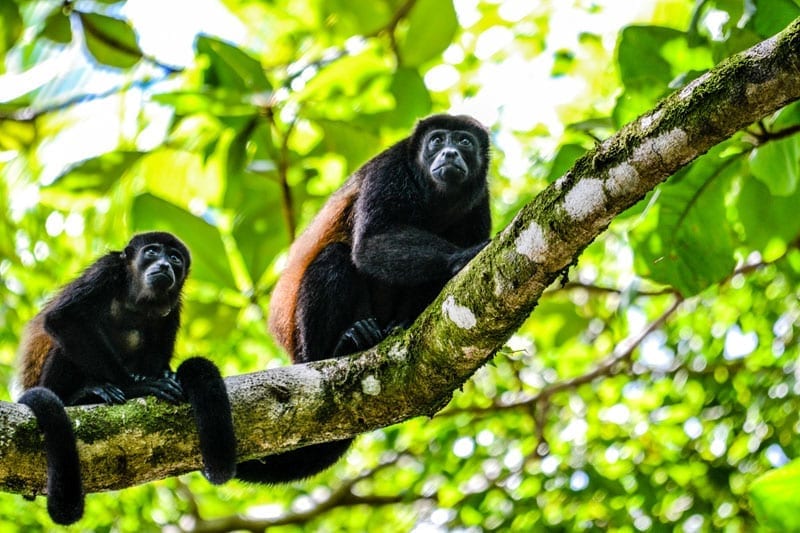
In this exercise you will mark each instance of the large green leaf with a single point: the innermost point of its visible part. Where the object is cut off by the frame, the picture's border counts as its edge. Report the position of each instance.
(96, 175)
(111, 41)
(766, 217)
(685, 241)
(230, 67)
(775, 498)
(771, 16)
(432, 25)
(777, 165)
(209, 258)
(653, 60)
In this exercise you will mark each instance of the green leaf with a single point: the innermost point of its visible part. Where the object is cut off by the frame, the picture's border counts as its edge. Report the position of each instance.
(57, 27)
(563, 161)
(97, 175)
(772, 16)
(766, 217)
(432, 26)
(777, 165)
(230, 67)
(412, 99)
(354, 143)
(653, 60)
(775, 498)
(10, 27)
(111, 41)
(639, 42)
(357, 17)
(685, 240)
(209, 258)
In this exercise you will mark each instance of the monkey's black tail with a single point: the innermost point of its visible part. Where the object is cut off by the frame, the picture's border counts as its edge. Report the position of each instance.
(205, 390)
(64, 485)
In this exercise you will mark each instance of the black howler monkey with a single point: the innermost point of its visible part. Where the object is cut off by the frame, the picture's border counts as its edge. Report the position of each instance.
(377, 254)
(108, 336)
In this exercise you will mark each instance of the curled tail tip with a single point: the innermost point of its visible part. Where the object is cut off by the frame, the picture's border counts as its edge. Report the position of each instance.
(63, 513)
(221, 474)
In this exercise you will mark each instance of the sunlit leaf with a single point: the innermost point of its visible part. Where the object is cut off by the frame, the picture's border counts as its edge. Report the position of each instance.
(209, 258)
(777, 165)
(774, 498)
(16, 135)
(96, 175)
(230, 67)
(766, 217)
(432, 25)
(111, 41)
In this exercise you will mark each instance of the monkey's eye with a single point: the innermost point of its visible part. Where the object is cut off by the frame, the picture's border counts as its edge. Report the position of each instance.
(150, 252)
(436, 140)
(465, 141)
(175, 259)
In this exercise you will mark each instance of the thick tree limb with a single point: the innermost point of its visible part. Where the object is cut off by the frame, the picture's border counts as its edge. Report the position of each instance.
(415, 372)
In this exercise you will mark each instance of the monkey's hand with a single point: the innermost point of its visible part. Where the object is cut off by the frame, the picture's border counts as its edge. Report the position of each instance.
(164, 387)
(106, 393)
(360, 336)
(462, 257)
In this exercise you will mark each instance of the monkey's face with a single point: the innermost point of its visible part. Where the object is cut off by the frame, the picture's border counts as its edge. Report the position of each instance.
(158, 271)
(450, 157)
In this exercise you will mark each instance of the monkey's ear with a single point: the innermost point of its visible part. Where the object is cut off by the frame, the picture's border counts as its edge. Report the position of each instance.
(127, 254)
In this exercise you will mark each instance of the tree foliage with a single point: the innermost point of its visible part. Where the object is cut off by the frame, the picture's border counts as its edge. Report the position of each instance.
(648, 391)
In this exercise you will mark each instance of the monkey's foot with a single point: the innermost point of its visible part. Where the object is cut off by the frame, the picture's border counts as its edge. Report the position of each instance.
(361, 335)
(106, 393)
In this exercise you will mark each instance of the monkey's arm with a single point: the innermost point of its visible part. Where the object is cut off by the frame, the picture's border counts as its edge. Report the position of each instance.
(392, 250)
(410, 256)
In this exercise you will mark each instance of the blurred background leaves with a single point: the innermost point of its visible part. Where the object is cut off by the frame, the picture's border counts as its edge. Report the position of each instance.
(229, 122)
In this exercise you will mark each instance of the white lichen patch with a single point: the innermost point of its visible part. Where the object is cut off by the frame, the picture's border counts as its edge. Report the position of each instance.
(397, 352)
(532, 243)
(585, 198)
(668, 150)
(460, 315)
(621, 179)
(371, 386)
(648, 120)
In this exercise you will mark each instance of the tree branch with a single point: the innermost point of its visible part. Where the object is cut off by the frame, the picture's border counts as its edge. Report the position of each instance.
(414, 373)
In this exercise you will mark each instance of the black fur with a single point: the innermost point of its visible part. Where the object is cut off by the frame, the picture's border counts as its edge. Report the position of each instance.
(64, 485)
(419, 213)
(110, 335)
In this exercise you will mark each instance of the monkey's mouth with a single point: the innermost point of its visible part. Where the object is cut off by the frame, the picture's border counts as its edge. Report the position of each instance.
(160, 279)
(450, 169)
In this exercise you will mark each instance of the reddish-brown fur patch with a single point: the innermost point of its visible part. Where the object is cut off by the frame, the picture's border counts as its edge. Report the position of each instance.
(329, 226)
(35, 346)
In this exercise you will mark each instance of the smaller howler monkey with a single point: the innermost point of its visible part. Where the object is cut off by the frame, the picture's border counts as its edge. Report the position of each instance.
(108, 336)
(380, 250)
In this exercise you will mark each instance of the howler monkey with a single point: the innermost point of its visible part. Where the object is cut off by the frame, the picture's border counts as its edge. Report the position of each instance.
(108, 336)
(377, 254)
